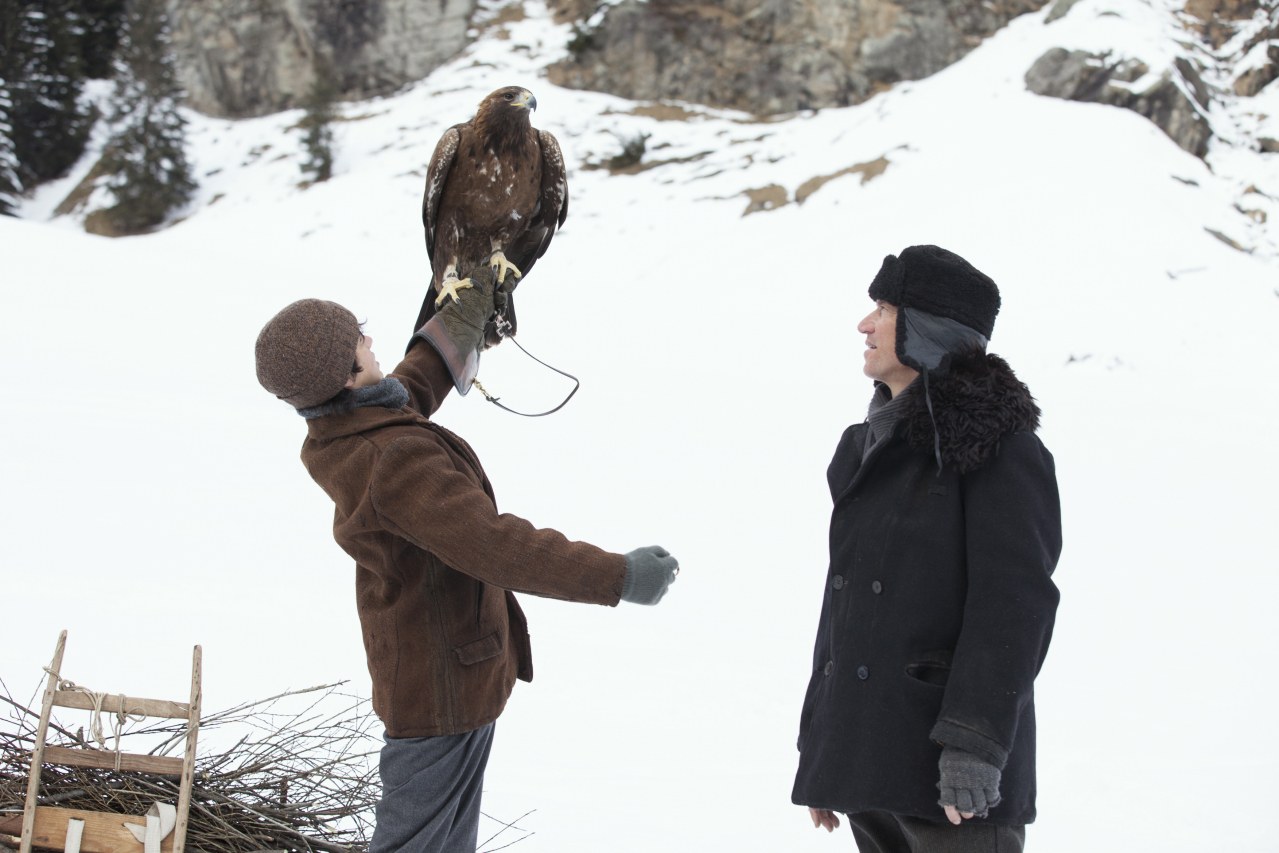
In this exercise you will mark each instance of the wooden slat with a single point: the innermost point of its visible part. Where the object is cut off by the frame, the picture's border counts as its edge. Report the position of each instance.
(37, 753)
(104, 759)
(188, 770)
(11, 825)
(104, 832)
(130, 704)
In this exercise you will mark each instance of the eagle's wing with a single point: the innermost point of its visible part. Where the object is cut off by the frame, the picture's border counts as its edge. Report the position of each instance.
(552, 205)
(554, 180)
(437, 175)
(548, 214)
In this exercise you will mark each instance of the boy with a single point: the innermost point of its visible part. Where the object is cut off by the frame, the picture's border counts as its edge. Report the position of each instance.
(435, 563)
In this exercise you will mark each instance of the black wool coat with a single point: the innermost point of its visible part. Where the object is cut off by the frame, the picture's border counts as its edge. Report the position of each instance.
(939, 603)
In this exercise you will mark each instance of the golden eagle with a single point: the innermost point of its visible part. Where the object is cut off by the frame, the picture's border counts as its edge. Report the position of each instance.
(496, 190)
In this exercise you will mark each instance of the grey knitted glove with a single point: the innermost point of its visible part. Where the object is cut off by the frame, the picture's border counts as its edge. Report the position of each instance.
(649, 573)
(456, 330)
(967, 782)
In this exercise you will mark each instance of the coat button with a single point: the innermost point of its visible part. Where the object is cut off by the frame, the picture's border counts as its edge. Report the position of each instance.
(830, 666)
(863, 672)
(877, 587)
(837, 581)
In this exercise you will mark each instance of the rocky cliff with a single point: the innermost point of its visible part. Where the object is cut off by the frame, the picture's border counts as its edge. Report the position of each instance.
(242, 58)
(773, 56)
(251, 57)
(1231, 50)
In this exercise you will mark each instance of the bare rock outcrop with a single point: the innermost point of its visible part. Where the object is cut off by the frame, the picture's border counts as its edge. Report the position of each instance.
(773, 56)
(1240, 43)
(240, 58)
(1257, 77)
(1217, 21)
(1121, 82)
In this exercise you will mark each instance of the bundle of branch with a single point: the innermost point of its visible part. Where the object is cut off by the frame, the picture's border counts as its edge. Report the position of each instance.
(287, 780)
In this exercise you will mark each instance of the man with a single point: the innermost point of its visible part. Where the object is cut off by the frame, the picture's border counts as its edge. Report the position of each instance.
(435, 563)
(919, 720)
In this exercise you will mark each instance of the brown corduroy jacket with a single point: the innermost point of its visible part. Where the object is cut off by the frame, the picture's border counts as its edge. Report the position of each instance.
(435, 563)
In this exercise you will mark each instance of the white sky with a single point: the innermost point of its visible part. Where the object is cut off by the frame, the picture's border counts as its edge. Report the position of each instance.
(153, 497)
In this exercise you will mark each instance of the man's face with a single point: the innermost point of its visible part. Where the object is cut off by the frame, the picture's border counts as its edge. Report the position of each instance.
(364, 357)
(880, 329)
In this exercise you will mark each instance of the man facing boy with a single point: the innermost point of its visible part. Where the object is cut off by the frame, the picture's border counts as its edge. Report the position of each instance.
(435, 562)
(919, 720)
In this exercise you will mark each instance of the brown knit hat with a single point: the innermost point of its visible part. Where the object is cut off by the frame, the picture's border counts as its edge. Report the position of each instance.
(305, 353)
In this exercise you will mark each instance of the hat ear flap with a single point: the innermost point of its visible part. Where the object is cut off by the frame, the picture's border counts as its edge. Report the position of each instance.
(915, 348)
(902, 333)
(927, 342)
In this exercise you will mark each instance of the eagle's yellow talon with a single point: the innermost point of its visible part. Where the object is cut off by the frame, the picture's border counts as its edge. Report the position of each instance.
(449, 288)
(502, 266)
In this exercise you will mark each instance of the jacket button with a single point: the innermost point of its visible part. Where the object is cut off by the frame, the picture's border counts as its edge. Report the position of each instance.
(830, 666)
(877, 587)
(837, 582)
(863, 672)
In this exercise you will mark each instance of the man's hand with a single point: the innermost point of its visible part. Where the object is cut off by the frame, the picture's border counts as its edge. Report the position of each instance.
(824, 819)
(969, 786)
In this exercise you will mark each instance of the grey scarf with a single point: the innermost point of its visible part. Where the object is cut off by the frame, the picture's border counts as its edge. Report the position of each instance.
(885, 413)
(388, 393)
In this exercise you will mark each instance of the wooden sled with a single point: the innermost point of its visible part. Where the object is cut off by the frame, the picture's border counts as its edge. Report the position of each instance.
(55, 828)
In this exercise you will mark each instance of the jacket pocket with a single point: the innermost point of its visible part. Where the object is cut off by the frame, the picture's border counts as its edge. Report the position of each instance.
(931, 668)
(478, 650)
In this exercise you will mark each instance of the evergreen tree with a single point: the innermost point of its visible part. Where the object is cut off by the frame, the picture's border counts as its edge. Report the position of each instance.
(146, 156)
(11, 14)
(100, 24)
(40, 45)
(10, 185)
(317, 124)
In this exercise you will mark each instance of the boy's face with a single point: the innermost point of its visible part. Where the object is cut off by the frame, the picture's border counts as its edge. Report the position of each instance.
(364, 357)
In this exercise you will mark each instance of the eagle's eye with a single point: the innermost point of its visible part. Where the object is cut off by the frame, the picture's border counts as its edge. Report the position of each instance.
(510, 96)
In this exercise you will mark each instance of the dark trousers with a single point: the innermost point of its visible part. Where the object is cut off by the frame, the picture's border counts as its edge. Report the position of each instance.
(431, 793)
(881, 832)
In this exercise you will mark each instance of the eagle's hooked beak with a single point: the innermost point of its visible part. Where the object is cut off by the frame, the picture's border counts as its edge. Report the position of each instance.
(527, 100)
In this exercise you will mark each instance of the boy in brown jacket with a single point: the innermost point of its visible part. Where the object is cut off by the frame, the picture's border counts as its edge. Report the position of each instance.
(436, 563)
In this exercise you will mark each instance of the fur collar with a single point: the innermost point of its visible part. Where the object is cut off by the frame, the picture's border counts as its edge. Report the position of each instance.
(389, 393)
(978, 402)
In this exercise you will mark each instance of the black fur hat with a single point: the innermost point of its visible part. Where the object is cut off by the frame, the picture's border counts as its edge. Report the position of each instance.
(940, 282)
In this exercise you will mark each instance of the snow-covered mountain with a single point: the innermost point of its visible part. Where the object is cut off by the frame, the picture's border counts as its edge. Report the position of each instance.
(154, 499)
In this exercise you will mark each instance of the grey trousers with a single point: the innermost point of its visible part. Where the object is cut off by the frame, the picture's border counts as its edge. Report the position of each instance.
(431, 790)
(881, 832)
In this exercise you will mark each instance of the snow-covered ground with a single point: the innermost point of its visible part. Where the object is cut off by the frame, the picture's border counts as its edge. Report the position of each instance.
(153, 498)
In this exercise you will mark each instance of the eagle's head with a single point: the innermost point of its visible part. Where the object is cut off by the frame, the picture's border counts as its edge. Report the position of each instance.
(505, 111)
(513, 97)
